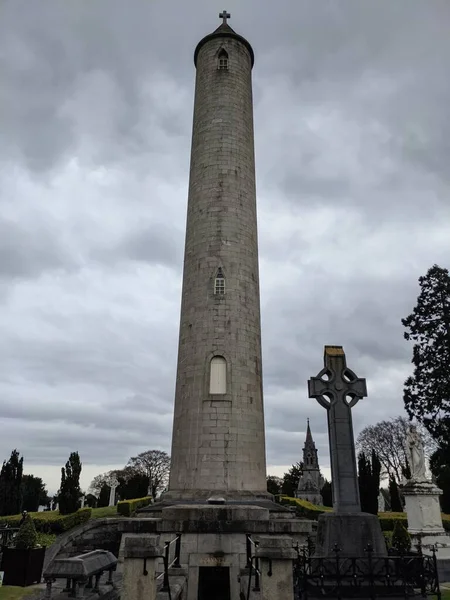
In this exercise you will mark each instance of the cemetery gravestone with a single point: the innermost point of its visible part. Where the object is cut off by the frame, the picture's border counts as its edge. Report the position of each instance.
(112, 493)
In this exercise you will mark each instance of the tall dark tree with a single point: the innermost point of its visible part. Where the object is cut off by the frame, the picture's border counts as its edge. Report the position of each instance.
(369, 482)
(394, 494)
(427, 392)
(440, 467)
(34, 493)
(274, 484)
(132, 486)
(103, 498)
(91, 501)
(327, 493)
(69, 493)
(291, 479)
(11, 485)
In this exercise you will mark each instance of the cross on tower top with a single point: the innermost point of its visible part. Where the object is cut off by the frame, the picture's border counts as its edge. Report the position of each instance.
(224, 15)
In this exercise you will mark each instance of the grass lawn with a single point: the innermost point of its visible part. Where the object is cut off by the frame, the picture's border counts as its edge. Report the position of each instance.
(106, 511)
(445, 595)
(12, 592)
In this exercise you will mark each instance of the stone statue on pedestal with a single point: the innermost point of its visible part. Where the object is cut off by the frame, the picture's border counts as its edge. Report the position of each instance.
(415, 454)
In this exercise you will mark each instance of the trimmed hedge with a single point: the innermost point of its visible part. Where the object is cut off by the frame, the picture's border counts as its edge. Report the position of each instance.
(52, 521)
(127, 507)
(303, 508)
(388, 520)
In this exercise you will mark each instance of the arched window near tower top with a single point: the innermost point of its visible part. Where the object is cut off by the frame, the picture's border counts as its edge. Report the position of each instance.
(222, 64)
(219, 283)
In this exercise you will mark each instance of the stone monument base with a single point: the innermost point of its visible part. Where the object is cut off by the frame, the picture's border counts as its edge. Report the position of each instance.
(183, 496)
(352, 532)
(423, 508)
(217, 541)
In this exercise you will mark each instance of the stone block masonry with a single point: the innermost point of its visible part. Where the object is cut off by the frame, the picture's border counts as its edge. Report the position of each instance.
(218, 444)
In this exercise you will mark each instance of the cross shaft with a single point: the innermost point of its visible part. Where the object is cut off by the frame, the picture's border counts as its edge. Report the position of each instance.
(338, 389)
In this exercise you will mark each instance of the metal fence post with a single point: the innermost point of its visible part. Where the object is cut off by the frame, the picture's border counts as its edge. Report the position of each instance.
(257, 587)
(165, 586)
(177, 564)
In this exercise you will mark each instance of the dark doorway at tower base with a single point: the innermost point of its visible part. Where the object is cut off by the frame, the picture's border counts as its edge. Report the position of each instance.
(214, 583)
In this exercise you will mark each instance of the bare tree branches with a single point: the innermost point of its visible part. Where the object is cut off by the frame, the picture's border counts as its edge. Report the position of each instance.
(155, 464)
(387, 438)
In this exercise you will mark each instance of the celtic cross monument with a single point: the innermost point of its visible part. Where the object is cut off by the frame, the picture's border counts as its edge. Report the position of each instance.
(338, 389)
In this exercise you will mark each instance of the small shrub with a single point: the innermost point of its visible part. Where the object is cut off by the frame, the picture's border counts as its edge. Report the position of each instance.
(401, 540)
(26, 536)
(388, 538)
(45, 539)
(127, 507)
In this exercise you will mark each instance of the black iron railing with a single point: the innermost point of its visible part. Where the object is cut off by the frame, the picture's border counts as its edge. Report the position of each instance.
(253, 565)
(7, 534)
(167, 564)
(369, 576)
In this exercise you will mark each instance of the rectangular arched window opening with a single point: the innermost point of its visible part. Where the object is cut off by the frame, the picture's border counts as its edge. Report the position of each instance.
(218, 375)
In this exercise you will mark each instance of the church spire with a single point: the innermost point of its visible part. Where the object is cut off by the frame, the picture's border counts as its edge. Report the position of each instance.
(310, 460)
(311, 481)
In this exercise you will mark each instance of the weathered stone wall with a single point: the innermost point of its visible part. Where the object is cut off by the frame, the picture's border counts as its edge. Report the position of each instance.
(96, 534)
(218, 440)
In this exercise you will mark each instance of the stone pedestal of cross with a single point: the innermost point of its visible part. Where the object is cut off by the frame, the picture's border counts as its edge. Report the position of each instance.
(338, 389)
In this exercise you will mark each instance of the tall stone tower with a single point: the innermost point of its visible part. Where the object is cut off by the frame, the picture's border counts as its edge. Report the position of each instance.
(311, 481)
(218, 444)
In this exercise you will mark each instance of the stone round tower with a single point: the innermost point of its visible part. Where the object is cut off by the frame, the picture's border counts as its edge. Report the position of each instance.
(218, 444)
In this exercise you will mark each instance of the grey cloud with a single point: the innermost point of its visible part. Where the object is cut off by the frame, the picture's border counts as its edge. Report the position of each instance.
(157, 244)
(28, 251)
(351, 145)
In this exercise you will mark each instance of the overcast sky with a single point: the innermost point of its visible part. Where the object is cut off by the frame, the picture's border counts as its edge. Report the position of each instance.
(352, 156)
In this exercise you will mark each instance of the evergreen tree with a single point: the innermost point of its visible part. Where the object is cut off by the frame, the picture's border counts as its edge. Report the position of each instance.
(396, 503)
(427, 392)
(26, 536)
(34, 493)
(274, 484)
(103, 499)
(327, 494)
(135, 486)
(10, 485)
(401, 540)
(69, 493)
(440, 467)
(369, 482)
(91, 501)
(291, 479)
